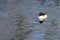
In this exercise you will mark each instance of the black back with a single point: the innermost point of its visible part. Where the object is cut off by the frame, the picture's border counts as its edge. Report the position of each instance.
(41, 14)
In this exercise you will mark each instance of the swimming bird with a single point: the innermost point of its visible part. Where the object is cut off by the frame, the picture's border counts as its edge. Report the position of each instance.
(42, 17)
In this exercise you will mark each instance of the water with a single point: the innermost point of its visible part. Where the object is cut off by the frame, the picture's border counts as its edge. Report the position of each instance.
(18, 20)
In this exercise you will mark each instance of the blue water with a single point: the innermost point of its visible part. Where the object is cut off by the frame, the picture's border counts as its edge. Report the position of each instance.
(18, 20)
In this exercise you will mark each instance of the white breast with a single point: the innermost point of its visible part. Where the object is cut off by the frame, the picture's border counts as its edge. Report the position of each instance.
(42, 18)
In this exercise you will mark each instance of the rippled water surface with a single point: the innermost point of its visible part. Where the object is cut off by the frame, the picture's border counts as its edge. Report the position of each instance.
(18, 20)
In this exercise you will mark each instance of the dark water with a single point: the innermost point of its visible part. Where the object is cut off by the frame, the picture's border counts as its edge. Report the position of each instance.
(18, 20)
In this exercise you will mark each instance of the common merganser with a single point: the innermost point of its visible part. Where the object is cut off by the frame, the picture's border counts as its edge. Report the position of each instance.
(42, 17)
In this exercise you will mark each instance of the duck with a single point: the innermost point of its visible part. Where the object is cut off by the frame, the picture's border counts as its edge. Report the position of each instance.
(42, 17)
